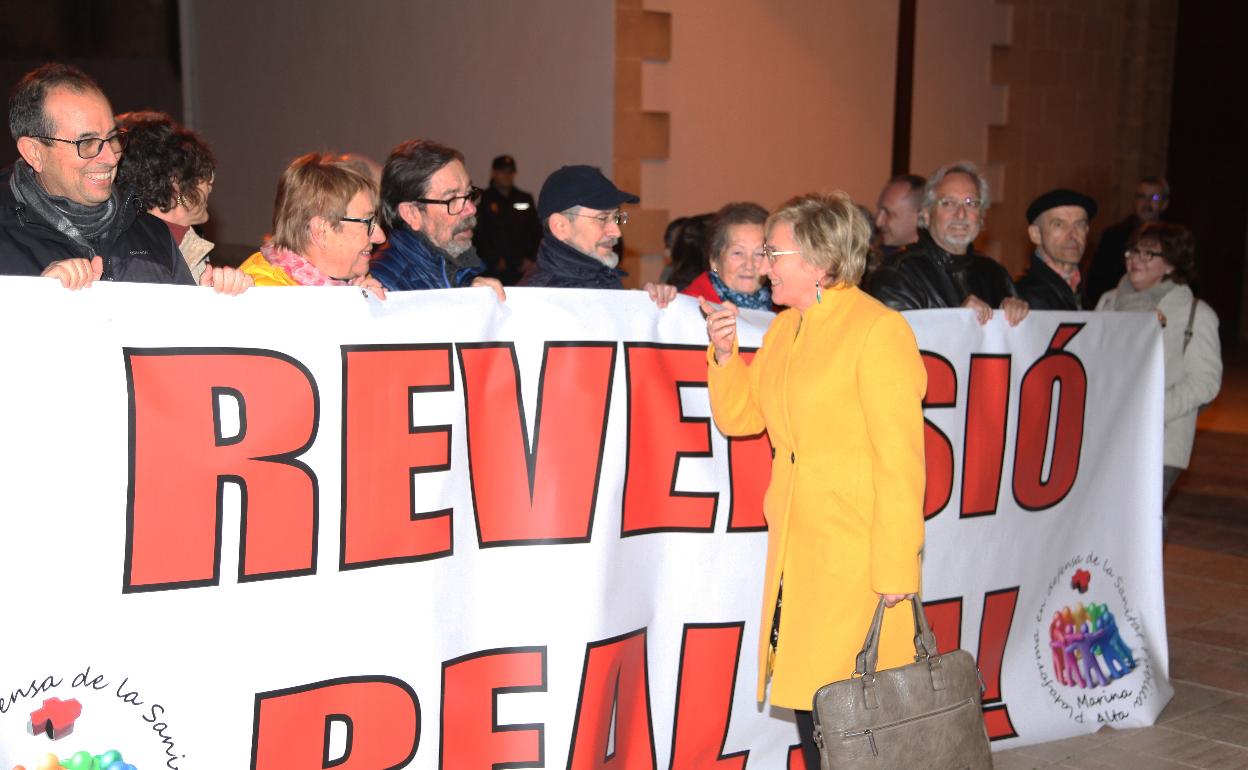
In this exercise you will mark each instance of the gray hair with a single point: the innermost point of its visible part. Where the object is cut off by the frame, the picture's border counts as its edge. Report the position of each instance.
(961, 167)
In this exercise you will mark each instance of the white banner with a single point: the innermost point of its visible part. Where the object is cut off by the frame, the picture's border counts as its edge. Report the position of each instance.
(307, 529)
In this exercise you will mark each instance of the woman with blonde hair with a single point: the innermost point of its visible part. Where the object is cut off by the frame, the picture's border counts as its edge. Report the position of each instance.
(325, 225)
(838, 385)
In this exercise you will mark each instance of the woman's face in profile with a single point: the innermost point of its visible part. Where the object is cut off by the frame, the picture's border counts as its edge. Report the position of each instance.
(738, 263)
(1146, 267)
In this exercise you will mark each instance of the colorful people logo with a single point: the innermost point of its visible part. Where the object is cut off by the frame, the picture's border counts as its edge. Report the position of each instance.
(83, 760)
(1078, 636)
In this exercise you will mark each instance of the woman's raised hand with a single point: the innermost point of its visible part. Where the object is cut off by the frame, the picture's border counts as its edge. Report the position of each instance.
(721, 327)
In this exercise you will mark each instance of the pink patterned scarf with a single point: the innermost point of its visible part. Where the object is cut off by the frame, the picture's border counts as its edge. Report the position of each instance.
(304, 272)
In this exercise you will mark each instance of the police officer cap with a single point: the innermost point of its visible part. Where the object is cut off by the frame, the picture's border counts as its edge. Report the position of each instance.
(1060, 197)
(579, 186)
(504, 163)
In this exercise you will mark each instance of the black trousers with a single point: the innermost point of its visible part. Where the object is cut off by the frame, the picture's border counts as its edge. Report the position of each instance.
(806, 733)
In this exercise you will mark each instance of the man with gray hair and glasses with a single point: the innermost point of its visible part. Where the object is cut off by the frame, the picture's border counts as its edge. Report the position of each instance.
(942, 269)
(61, 216)
(580, 211)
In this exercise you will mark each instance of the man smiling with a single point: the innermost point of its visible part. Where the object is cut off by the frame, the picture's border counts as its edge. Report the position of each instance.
(60, 214)
(943, 269)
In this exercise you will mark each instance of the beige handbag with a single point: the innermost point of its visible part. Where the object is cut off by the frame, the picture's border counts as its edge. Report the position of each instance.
(924, 714)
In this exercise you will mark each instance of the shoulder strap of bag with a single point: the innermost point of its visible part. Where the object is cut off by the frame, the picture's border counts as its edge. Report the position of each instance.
(1191, 320)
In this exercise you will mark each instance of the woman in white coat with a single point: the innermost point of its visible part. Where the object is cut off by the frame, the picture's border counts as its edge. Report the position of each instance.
(1160, 263)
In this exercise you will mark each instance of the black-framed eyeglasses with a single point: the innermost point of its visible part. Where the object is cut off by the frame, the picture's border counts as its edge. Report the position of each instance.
(455, 205)
(619, 217)
(371, 222)
(1143, 255)
(92, 146)
(770, 253)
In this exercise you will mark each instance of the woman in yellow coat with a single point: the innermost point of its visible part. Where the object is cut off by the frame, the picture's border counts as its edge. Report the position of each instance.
(838, 384)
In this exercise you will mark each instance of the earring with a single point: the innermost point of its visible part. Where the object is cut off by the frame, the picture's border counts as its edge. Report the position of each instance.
(819, 293)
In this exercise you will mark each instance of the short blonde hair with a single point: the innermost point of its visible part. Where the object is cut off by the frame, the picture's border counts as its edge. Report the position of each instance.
(314, 185)
(831, 233)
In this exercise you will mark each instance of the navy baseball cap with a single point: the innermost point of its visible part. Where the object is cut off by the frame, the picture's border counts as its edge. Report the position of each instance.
(579, 186)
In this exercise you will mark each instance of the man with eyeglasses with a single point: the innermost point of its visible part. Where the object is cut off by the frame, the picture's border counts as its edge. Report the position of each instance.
(61, 216)
(429, 210)
(942, 270)
(580, 210)
(1152, 198)
(1058, 226)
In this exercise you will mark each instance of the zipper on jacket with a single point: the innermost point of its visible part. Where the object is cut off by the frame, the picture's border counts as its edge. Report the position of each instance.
(870, 732)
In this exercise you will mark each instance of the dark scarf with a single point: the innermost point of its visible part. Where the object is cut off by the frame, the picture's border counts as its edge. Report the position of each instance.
(88, 227)
(760, 299)
(561, 265)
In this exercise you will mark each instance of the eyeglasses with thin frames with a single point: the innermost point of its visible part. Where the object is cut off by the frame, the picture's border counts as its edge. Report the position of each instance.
(949, 203)
(770, 253)
(455, 204)
(370, 222)
(619, 217)
(92, 146)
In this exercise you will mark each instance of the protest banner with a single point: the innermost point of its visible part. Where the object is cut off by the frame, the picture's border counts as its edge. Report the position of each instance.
(304, 528)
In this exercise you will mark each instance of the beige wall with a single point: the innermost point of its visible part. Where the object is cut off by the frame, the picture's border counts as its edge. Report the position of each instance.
(769, 99)
(269, 81)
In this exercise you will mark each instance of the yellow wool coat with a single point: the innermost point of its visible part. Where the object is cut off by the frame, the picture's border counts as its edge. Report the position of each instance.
(840, 393)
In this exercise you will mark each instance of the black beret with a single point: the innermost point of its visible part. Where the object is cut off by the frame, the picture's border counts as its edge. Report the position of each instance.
(504, 163)
(1060, 197)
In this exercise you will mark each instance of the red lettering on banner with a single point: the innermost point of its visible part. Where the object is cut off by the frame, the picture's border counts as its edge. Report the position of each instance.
(942, 393)
(945, 618)
(987, 405)
(1034, 489)
(612, 728)
(181, 459)
(380, 717)
(383, 452)
(708, 675)
(749, 468)
(659, 436)
(796, 760)
(546, 494)
(471, 736)
(994, 631)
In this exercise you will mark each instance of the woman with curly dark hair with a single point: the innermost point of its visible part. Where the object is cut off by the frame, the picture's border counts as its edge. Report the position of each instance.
(170, 170)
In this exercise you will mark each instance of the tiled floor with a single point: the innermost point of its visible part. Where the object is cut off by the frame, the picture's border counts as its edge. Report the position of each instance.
(1206, 563)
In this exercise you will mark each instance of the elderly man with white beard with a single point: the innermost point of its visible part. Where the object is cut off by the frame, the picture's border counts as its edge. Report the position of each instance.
(943, 270)
(580, 211)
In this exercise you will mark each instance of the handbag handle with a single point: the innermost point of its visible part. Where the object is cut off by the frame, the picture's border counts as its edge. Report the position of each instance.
(924, 640)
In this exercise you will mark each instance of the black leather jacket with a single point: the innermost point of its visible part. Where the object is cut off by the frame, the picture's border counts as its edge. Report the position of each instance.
(924, 276)
(1044, 289)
